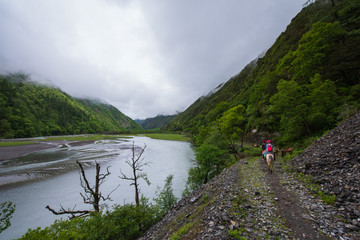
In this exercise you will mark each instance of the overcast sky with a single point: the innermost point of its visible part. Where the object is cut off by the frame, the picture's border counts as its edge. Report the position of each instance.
(145, 57)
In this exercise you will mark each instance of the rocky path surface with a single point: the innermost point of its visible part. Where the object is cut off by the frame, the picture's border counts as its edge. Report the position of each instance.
(334, 163)
(296, 216)
(246, 202)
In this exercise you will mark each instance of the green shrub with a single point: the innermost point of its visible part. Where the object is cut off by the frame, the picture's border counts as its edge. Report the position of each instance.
(236, 233)
(123, 222)
(165, 198)
(182, 231)
(6, 211)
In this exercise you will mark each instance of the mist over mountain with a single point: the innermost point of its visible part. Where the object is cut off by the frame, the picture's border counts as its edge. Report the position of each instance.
(304, 85)
(156, 122)
(29, 109)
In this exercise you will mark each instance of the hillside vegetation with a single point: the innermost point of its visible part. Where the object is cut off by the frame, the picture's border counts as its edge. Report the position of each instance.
(156, 122)
(29, 109)
(306, 83)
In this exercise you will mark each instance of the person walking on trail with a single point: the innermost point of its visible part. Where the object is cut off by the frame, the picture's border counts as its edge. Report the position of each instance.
(263, 148)
(269, 149)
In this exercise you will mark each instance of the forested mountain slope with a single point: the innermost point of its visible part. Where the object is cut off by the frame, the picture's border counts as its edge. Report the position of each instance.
(156, 122)
(306, 83)
(29, 109)
(243, 202)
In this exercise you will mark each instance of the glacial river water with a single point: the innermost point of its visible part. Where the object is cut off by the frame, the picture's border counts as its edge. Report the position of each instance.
(56, 180)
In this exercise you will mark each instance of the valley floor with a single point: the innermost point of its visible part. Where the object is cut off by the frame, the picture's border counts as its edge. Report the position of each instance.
(8, 153)
(247, 202)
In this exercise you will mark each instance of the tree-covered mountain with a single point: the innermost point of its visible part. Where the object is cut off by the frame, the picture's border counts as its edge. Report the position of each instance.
(29, 109)
(156, 122)
(306, 83)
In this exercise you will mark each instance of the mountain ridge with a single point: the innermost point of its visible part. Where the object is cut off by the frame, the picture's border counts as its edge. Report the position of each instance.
(157, 122)
(317, 54)
(29, 109)
(243, 201)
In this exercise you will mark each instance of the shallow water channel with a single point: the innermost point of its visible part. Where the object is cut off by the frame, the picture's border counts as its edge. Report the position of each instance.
(53, 177)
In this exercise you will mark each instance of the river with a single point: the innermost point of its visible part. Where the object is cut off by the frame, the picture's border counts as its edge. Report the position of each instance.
(54, 177)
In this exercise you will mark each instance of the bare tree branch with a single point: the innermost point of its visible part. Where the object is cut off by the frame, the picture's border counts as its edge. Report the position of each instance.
(91, 196)
(71, 212)
(137, 164)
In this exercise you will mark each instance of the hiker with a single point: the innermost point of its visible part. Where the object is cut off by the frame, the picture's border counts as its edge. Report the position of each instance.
(269, 149)
(263, 148)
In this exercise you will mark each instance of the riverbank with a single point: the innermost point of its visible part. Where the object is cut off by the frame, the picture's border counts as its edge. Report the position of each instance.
(14, 148)
(8, 153)
(55, 177)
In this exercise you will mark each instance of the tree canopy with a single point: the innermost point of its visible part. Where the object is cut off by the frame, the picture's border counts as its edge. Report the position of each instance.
(305, 84)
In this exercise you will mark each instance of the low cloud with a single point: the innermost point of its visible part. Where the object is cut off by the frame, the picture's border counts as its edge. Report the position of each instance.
(144, 57)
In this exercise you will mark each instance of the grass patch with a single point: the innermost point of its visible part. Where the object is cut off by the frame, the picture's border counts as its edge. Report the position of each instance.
(182, 231)
(327, 198)
(200, 209)
(316, 188)
(308, 180)
(15, 143)
(164, 136)
(237, 234)
(90, 137)
(205, 198)
(192, 219)
(250, 151)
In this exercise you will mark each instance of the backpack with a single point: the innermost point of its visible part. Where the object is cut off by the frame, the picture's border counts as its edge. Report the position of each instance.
(270, 148)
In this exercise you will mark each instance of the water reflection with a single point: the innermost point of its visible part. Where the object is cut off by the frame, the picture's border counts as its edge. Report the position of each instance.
(50, 177)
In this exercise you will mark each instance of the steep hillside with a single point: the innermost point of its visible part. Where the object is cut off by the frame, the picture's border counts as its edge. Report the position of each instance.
(306, 82)
(156, 122)
(247, 202)
(109, 114)
(334, 162)
(29, 109)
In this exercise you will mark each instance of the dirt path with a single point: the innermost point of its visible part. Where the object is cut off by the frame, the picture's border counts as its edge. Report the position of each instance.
(297, 218)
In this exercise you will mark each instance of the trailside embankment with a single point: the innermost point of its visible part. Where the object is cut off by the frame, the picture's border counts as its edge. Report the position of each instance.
(243, 202)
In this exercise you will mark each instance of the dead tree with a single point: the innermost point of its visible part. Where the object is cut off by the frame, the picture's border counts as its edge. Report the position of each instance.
(73, 213)
(92, 194)
(137, 164)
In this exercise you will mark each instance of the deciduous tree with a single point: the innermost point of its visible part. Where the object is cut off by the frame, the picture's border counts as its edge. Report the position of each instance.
(232, 126)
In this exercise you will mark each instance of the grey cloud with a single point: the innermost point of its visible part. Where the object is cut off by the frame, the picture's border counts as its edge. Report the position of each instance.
(144, 57)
